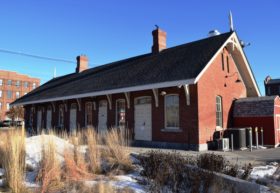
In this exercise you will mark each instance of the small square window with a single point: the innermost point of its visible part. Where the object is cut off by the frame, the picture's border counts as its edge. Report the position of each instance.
(9, 82)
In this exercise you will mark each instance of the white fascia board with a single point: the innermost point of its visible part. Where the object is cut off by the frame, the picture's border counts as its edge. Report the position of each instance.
(212, 59)
(243, 56)
(113, 91)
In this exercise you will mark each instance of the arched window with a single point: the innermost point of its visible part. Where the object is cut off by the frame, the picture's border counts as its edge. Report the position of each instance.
(61, 116)
(171, 111)
(88, 114)
(219, 111)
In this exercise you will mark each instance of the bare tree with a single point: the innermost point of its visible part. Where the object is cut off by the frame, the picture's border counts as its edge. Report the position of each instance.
(15, 113)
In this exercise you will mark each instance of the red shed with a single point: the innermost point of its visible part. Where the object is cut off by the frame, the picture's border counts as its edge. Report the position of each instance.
(259, 112)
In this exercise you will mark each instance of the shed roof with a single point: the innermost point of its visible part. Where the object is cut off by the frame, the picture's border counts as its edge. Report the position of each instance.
(254, 106)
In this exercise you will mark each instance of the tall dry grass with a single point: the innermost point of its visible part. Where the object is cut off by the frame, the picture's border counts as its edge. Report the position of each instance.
(12, 151)
(93, 154)
(117, 151)
(50, 172)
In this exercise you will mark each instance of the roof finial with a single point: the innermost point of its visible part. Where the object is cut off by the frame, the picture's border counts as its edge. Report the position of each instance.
(157, 27)
(230, 21)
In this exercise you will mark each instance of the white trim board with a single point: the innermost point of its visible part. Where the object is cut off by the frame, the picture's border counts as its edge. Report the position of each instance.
(243, 56)
(113, 91)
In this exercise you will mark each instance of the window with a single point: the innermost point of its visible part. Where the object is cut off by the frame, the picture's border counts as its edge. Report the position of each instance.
(18, 83)
(34, 85)
(172, 111)
(227, 64)
(1, 82)
(88, 114)
(219, 112)
(9, 94)
(0, 93)
(25, 93)
(61, 116)
(17, 95)
(223, 63)
(120, 113)
(8, 106)
(9, 82)
(26, 84)
(0, 106)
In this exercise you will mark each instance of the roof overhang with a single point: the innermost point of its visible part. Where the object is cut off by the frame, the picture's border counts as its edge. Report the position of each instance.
(242, 63)
(113, 91)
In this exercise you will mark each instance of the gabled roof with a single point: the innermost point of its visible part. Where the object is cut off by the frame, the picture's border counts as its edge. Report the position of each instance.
(170, 67)
(254, 106)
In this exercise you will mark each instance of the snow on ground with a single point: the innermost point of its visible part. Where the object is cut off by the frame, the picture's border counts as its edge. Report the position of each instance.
(35, 144)
(262, 171)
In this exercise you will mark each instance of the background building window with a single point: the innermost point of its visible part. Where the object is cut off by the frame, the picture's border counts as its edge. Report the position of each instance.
(18, 83)
(219, 112)
(1, 82)
(9, 82)
(88, 114)
(172, 111)
(0, 106)
(9, 94)
(17, 95)
(26, 84)
(34, 85)
(0, 93)
(120, 113)
(8, 106)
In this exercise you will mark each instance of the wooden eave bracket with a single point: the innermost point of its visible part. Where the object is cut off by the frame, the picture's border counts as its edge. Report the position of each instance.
(109, 97)
(155, 92)
(127, 96)
(187, 93)
(53, 106)
(79, 104)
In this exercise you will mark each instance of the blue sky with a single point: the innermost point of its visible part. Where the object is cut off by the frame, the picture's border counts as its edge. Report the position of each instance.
(112, 30)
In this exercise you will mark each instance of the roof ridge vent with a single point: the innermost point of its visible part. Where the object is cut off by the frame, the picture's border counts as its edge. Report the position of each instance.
(214, 32)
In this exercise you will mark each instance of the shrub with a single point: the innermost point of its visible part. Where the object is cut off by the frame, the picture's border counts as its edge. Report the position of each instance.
(12, 151)
(211, 162)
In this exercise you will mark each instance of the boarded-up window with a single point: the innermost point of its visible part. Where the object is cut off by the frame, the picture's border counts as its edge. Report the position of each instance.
(172, 111)
(88, 114)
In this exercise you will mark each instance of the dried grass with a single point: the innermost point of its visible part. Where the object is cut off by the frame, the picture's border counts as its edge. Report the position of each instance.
(12, 151)
(117, 152)
(93, 153)
(50, 171)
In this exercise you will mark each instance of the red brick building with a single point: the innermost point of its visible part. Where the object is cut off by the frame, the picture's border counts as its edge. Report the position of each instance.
(261, 112)
(272, 86)
(12, 87)
(172, 96)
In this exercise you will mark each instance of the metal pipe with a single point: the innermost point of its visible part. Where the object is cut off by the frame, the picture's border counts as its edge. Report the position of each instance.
(231, 142)
(250, 138)
(257, 138)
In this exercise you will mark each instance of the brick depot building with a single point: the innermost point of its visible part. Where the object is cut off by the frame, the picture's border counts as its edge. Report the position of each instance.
(12, 87)
(178, 95)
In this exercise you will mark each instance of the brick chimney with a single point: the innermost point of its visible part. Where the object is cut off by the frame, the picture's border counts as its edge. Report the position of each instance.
(159, 40)
(82, 63)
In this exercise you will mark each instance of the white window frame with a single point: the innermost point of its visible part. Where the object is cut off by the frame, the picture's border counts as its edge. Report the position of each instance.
(165, 119)
(116, 111)
(86, 114)
(0, 106)
(221, 112)
(17, 83)
(33, 85)
(1, 82)
(7, 106)
(1, 93)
